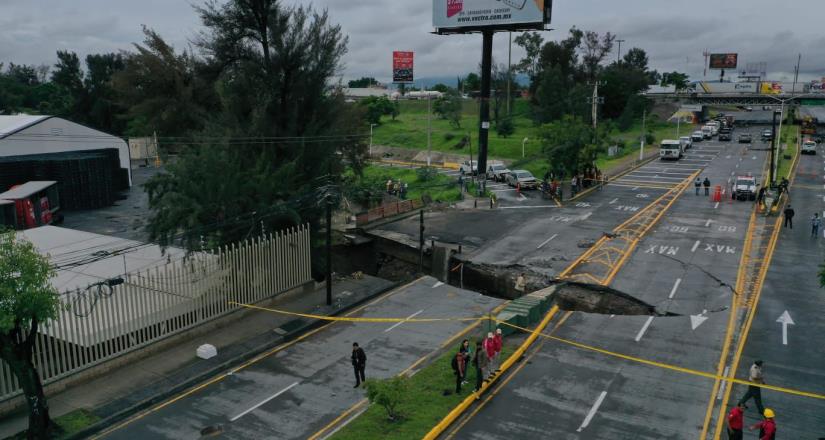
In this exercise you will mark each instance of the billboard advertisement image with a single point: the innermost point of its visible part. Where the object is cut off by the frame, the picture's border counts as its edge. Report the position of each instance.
(723, 60)
(402, 67)
(454, 15)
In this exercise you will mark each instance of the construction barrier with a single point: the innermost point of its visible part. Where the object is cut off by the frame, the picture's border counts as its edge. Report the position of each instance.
(387, 210)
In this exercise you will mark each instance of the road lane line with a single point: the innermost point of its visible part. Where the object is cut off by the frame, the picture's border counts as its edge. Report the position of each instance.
(644, 329)
(724, 384)
(263, 402)
(616, 200)
(716, 205)
(592, 411)
(547, 241)
(347, 422)
(401, 322)
(695, 245)
(527, 207)
(707, 223)
(675, 286)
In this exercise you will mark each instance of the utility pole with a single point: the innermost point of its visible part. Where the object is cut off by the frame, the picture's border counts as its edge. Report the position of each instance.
(484, 116)
(619, 55)
(796, 74)
(509, 71)
(429, 129)
(706, 54)
(642, 147)
(771, 175)
(329, 251)
(595, 100)
(370, 150)
(421, 241)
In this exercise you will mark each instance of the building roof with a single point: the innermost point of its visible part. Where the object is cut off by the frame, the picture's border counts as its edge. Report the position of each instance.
(26, 189)
(12, 124)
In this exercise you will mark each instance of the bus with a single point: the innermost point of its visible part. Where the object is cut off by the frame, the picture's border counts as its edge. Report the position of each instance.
(670, 150)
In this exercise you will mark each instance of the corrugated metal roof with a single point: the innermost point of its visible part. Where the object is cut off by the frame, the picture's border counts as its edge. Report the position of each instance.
(13, 124)
(26, 189)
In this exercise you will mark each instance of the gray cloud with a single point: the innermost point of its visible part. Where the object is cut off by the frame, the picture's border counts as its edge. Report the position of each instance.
(673, 33)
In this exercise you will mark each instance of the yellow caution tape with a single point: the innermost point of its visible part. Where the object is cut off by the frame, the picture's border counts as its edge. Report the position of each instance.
(351, 319)
(669, 366)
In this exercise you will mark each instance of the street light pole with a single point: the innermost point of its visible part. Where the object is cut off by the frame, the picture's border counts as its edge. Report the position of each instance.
(619, 55)
(429, 129)
(522, 146)
(370, 153)
(642, 148)
(509, 74)
(771, 175)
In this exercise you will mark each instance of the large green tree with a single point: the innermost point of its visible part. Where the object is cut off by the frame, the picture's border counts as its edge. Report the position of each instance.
(570, 143)
(27, 300)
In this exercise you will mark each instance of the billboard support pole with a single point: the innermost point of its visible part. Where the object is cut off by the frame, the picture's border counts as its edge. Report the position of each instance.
(484, 116)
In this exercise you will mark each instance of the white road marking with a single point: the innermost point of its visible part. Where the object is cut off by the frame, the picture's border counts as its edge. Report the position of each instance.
(262, 402)
(716, 205)
(501, 190)
(707, 223)
(675, 286)
(521, 197)
(347, 422)
(644, 329)
(528, 207)
(635, 188)
(547, 241)
(697, 320)
(616, 200)
(695, 245)
(405, 320)
(592, 411)
(785, 320)
(724, 384)
(437, 284)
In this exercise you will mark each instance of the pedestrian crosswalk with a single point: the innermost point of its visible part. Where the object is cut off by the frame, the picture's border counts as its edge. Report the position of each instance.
(666, 175)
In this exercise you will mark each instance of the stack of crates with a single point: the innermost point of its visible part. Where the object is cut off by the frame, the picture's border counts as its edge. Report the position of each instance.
(527, 310)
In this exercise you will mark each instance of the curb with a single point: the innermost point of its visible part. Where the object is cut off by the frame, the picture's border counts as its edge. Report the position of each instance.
(158, 398)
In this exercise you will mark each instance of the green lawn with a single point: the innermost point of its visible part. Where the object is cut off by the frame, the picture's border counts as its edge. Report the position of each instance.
(409, 130)
(424, 406)
(789, 136)
(439, 187)
(68, 424)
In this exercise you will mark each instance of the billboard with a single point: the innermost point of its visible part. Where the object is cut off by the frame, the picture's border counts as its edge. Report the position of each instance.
(723, 60)
(455, 16)
(770, 88)
(402, 67)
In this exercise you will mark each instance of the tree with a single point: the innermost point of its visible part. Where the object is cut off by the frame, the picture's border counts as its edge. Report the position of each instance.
(531, 42)
(377, 106)
(443, 88)
(676, 79)
(472, 83)
(596, 49)
(449, 107)
(27, 300)
(362, 82)
(571, 144)
(388, 393)
(505, 127)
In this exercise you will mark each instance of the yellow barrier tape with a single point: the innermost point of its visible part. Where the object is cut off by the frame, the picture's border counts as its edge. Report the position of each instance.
(350, 319)
(669, 366)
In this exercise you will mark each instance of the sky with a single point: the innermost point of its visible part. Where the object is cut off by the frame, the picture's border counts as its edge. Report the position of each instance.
(674, 33)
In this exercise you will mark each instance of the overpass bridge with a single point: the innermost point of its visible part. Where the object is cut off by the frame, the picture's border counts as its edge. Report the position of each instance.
(740, 99)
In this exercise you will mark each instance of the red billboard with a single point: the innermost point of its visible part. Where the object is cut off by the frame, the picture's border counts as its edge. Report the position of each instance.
(402, 67)
(723, 60)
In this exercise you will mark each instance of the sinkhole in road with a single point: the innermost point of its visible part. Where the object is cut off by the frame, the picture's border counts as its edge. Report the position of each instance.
(594, 298)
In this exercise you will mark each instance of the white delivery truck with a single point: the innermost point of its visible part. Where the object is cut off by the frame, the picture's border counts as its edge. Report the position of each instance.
(707, 131)
(670, 150)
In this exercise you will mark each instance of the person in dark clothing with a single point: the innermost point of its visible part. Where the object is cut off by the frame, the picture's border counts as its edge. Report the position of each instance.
(789, 213)
(760, 197)
(359, 363)
(480, 362)
(706, 184)
(697, 184)
(459, 369)
(465, 351)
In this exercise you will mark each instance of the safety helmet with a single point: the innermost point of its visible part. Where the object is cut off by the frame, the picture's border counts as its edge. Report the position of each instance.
(769, 413)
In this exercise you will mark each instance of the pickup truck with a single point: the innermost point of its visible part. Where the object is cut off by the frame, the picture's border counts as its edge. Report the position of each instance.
(744, 188)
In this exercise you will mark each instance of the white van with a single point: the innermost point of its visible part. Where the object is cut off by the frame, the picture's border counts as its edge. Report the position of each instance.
(809, 147)
(670, 150)
(707, 131)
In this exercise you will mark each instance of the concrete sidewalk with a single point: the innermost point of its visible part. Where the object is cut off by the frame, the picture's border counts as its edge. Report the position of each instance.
(151, 379)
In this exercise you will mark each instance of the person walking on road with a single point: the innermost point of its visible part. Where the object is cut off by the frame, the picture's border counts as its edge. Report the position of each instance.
(789, 213)
(754, 391)
(767, 427)
(459, 369)
(480, 362)
(697, 184)
(706, 184)
(736, 421)
(359, 363)
(815, 223)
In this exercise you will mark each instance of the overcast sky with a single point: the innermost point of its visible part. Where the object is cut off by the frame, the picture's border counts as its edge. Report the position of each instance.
(674, 33)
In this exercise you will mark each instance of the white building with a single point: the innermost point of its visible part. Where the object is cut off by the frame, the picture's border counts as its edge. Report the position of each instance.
(29, 134)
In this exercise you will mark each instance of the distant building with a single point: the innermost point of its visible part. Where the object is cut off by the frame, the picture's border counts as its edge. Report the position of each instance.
(365, 92)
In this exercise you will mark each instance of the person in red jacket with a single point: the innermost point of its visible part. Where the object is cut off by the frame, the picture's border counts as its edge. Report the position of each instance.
(489, 350)
(767, 427)
(736, 421)
(497, 343)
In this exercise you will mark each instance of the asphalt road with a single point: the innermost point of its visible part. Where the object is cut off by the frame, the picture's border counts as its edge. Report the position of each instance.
(792, 285)
(567, 393)
(297, 391)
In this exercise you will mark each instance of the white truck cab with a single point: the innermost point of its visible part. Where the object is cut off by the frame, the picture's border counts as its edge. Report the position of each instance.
(670, 150)
(707, 131)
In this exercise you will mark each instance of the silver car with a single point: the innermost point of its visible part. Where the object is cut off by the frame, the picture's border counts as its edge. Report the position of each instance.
(523, 179)
(497, 172)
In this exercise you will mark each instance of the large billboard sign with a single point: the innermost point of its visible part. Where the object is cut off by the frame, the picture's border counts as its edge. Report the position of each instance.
(402, 67)
(723, 60)
(456, 16)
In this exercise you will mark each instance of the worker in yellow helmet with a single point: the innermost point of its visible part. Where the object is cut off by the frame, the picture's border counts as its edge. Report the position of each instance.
(767, 427)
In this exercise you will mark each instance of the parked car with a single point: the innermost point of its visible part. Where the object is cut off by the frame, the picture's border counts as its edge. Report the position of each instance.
(745, 138)
(725, 137)
(809, 147)
(697, 136)
(522, 178)
(468, 167)
(497, 172)
(767, 134)
(686, 142)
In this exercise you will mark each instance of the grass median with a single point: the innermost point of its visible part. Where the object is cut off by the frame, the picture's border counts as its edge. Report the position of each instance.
(423, 406)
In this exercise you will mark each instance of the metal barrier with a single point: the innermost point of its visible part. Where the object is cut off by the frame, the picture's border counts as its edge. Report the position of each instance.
(101, 323)
(387, 210)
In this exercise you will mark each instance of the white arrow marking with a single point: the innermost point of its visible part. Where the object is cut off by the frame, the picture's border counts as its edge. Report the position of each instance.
(697, 320)
(522, 198)
(785, 320)
(437, 284)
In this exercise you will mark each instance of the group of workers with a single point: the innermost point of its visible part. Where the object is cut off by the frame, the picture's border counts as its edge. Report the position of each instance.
(736, 416)
(397, 188)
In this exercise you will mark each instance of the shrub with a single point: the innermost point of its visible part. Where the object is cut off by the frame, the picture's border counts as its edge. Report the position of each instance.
(388, 393)
(425, 174)
(448, 136)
